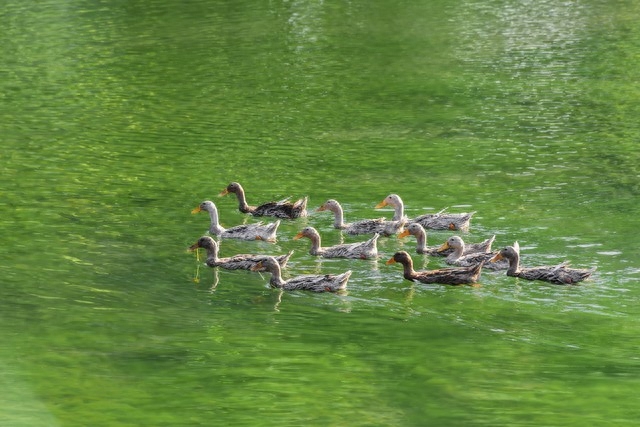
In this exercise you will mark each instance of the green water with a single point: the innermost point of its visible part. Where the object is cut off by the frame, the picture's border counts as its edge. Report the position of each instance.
(118, 118)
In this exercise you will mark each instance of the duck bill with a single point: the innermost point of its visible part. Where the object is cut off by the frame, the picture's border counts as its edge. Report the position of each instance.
(223, 192)
(382, 204)
(194, 247)
(196, 210)
(321, 208)
(444, 247)
(405, 233)
(297, 236)
(498, 257)
(390, 261)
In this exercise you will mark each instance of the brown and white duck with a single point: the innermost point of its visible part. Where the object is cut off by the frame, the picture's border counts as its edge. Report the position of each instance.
(236, 262)
(560, 274)
(361, 250)
(445, 276)
(437, 221)
(255, 231)
(280, 209)
(314, 283)
(458, 257)
(365, 226)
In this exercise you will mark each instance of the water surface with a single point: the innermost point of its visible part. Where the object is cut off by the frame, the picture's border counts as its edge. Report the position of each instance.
(119, 119)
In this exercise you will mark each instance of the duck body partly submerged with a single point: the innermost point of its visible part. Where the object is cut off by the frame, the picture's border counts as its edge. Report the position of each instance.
(313, 283)
(236, 262)
(255, 231)
(280, 209)
(379, 226)
(560, 274)
(361, 250)
(445, 276)
(437, 221)
(458, 257)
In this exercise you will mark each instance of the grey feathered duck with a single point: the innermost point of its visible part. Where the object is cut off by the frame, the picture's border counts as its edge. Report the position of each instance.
(445, 276)
(361, 250)
(364, 226)
(236, 262)
(560, 274)
(255, 231)
(280, 209)
(314, 283)
(457, 257)
(418, 231)
(437, 221)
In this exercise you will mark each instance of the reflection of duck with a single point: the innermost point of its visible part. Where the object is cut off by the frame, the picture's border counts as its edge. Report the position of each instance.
(257, 231)
(458, 258)
(365, 226)
(236, 262)
(420, 234)
(315, 283)
(446, 276)
(281, 209)
(437, 221)
(560, 274)
(363, 250)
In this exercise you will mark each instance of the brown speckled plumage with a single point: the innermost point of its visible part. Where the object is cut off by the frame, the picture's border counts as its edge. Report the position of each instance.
(445, 276)
(280, 209)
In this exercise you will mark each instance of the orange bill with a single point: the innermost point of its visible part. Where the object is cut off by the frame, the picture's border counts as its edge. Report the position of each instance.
(382, 204)
(405, 233)
(223, 192)
(444, 247)
(498, 257)
(391, 261)
(196, 210)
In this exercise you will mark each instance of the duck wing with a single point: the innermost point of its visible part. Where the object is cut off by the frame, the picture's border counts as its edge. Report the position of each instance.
(450, 276)
(318, 283)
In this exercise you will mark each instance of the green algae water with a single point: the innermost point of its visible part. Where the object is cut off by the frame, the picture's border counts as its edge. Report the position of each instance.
(119, 118)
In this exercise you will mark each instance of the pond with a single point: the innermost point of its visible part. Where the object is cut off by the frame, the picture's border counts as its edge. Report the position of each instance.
(120, 118)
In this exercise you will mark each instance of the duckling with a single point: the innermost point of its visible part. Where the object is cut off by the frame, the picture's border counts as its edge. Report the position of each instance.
(560, 274)
(458, 258)
(236, 262)
(257, 231)
(280, 209)
(362, 250)
(446, 276)
(437, 221)
(314, 283)
(365, 226)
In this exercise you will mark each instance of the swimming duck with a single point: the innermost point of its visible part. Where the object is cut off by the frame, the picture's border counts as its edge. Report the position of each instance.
(236, 262)
(314, 283)
(560, 274)
(437, 221)
(458, 258)
(446, 276)
(280, 209)
(361, 250)
(256, 231)
(365, 226)
(420, 234)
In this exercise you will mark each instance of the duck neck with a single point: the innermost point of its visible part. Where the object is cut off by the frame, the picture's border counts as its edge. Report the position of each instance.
(457, 252)
(316, 244)
(514, 265)
(212, 253)
(338, 217)
(276, 280)
(408, 271)
(215, 227)
(398, 211)
(421, 242)
(243, 206)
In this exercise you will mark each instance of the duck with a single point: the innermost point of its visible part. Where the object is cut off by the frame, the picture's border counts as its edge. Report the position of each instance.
(236, 262)
(437, 221)
(256, 231)
(314, 283)
(457, 257)
(420, 234)
(365, 226)
(360, 250)
(446, 276)
(280, 209)
(560, 274)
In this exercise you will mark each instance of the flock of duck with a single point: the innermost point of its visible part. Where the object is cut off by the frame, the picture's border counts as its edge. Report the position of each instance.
(467, 260)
